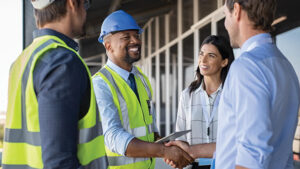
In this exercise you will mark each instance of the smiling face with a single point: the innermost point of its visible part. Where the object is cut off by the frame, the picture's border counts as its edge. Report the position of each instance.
(125, 46)
(210, 61)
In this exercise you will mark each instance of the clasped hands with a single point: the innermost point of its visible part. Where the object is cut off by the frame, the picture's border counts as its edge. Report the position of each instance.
(178, 154)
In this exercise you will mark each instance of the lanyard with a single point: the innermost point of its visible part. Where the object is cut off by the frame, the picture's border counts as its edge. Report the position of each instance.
(257, 43)
(206, 110)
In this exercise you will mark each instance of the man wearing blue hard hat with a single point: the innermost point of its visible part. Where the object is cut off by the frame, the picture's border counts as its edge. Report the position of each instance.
(124, 94)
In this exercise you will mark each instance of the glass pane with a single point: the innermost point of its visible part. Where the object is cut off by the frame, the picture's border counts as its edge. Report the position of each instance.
(173, 23)
(153, 80)
(206, 7)
(204, 32)
(187, 14)
(173, 85)
(162, 31)
(146, 42)
(188, 60)
(162, 92)
(153, 37)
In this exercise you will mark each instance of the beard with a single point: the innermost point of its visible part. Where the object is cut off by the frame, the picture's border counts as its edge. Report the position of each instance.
(131, 59)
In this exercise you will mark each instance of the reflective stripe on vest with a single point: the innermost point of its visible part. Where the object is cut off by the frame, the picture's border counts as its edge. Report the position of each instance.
(24, 140)
(7, 166)
(101, 162)
(88, 134)
(33, 138)
(144, 83)
(123, 160)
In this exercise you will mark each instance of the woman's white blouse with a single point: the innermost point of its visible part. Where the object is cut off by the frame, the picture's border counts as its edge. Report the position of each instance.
(191, 115)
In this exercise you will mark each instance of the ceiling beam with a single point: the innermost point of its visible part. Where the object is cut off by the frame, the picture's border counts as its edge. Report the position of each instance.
(115, 4)
(91, 58)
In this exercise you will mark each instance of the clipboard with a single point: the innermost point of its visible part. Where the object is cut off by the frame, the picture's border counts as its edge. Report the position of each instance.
(172, 136)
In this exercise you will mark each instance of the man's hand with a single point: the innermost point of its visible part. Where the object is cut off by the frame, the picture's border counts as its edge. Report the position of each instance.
(177, 157)
(196, 151)
(182, 144)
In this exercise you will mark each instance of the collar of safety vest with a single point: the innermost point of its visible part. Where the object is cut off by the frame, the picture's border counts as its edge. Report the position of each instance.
(70, 42)
(122, 72)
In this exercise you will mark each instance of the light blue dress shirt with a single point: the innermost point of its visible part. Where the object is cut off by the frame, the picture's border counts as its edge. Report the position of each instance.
(116, 138)
(259, 108)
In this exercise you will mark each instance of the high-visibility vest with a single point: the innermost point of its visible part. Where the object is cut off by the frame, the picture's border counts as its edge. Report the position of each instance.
(22, 143)
(135, 115)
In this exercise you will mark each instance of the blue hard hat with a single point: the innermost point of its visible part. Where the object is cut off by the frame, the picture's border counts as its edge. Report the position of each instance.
(118, 21)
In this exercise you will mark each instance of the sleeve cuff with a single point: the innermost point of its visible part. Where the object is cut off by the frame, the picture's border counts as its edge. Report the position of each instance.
(126, 142)
(249, 157)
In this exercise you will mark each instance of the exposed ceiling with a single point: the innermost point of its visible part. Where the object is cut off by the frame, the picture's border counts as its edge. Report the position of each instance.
(141, 10)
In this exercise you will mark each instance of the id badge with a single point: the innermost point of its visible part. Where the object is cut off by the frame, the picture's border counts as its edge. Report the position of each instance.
(149, 103)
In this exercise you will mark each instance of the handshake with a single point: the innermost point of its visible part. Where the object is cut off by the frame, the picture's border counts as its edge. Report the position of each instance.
(178, 154)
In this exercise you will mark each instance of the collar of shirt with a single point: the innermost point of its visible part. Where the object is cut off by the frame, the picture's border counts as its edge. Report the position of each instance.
(255, 38)
(213, 95)
(122, 72)
(70, 42)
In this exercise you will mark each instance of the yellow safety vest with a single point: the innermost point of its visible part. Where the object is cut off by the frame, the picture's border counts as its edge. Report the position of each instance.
(135, 115)
(22, 143)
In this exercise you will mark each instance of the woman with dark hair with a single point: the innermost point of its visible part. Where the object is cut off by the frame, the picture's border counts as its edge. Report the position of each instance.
(198, 103)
